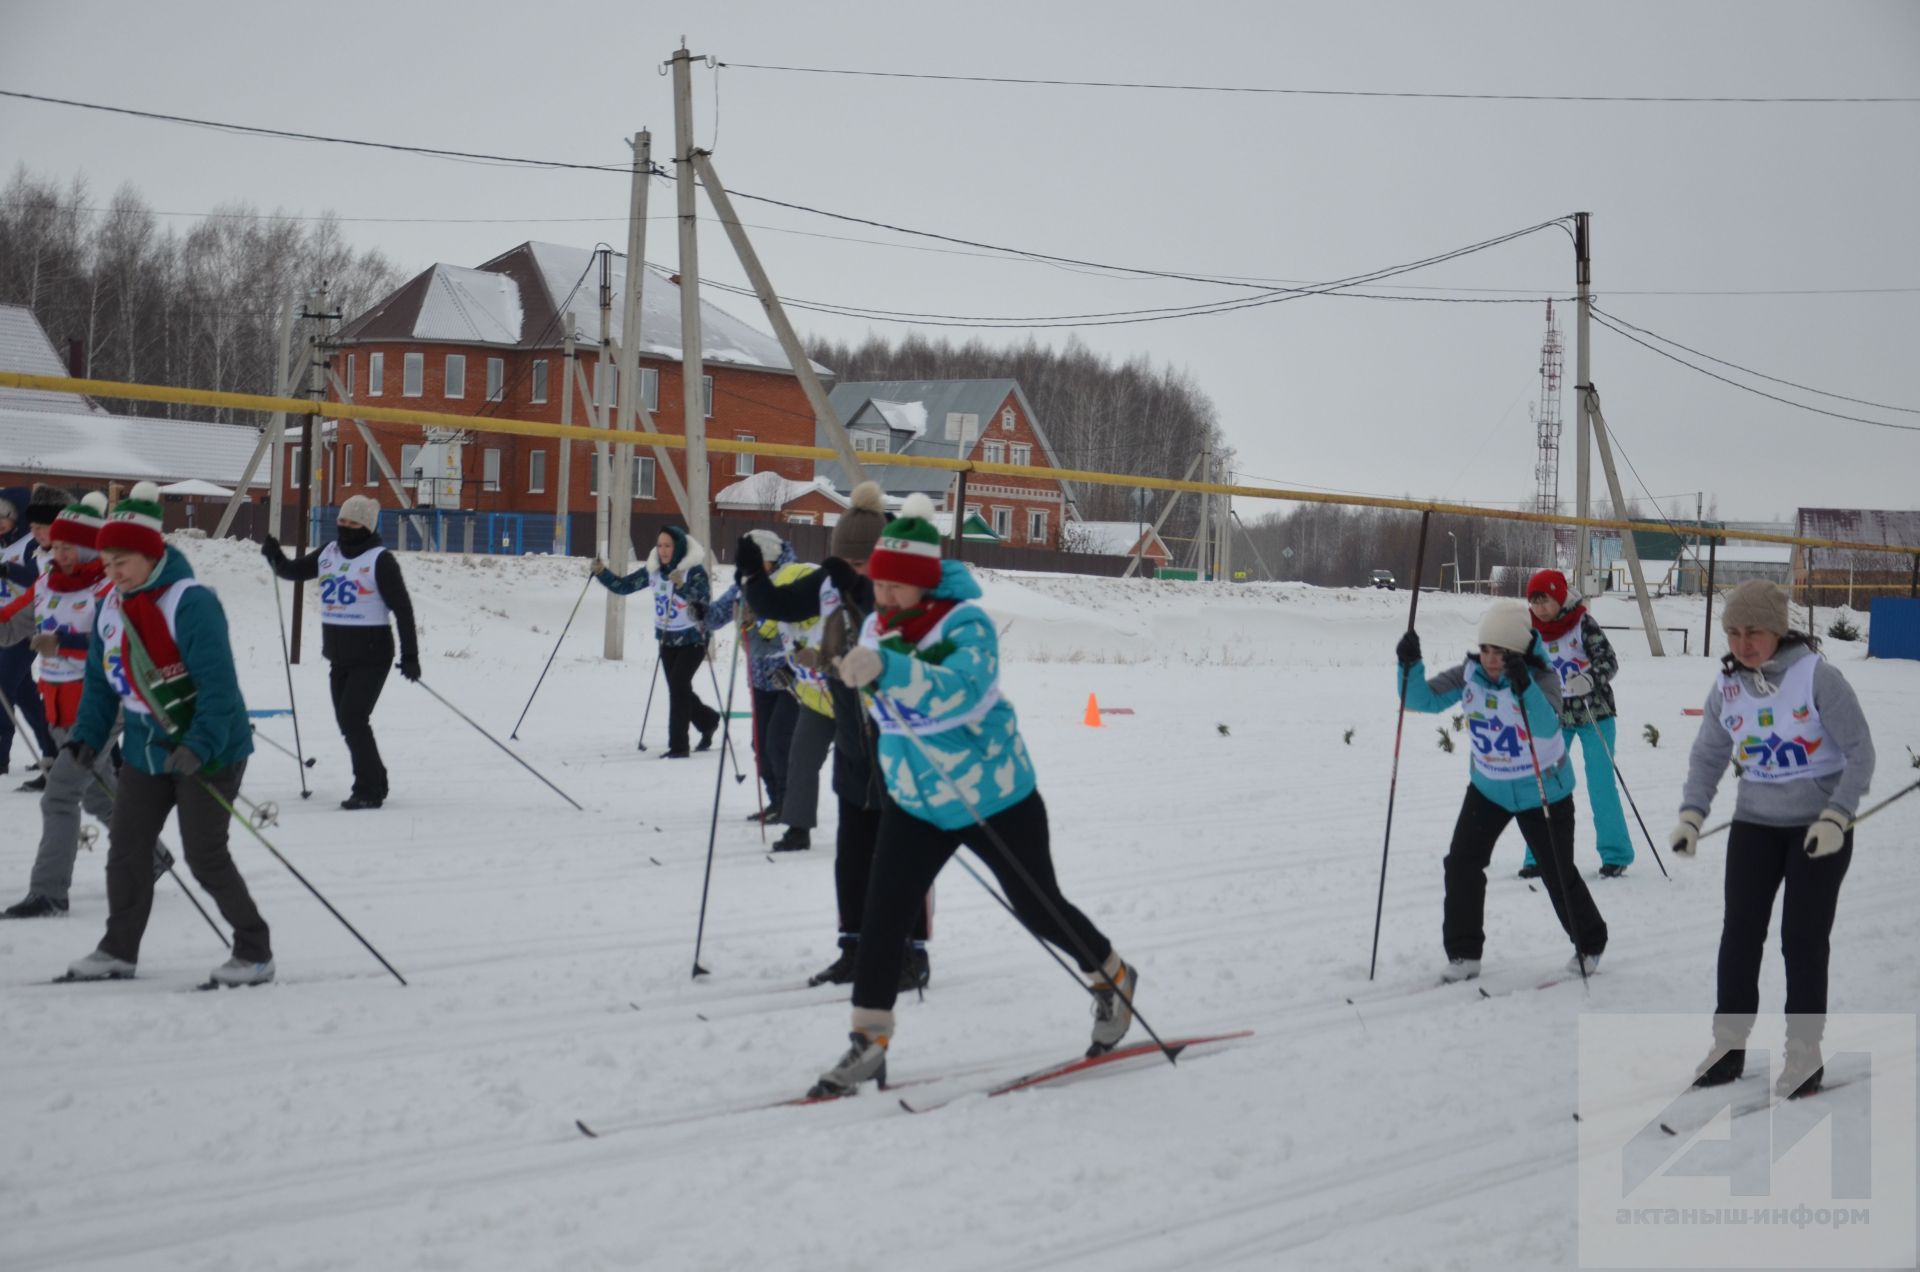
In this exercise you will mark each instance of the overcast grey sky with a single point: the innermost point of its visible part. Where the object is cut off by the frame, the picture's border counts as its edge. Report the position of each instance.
(1369, 395)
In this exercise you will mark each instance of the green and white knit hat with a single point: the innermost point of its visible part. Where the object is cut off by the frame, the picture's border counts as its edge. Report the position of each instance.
(135, 524)
(79, 523)
(909, 548)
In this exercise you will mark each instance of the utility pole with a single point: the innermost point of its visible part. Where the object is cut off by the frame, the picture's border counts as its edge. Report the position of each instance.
(597, 405)
(1204, 555)
(1631, 549)
(692, 392)
(314, 315)
(563, 514)
(620, 528)
(1583, 380)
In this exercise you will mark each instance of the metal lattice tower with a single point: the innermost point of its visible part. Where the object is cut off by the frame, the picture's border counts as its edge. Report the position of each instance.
(1546, 420)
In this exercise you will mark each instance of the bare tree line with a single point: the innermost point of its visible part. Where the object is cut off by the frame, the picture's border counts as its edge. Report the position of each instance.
(1098, 413)
(198, 307)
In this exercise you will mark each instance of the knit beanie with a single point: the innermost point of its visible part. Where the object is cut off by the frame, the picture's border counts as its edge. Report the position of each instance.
(1507, 626)
(362, 510)
(1756, 603)
(769, 543)
(135, 524)
(909, 548)
(45, 503)
(859, 526)
(79, 524)
(1551, 583)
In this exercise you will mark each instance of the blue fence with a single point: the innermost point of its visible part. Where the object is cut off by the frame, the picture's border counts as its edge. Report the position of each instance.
(457, 530)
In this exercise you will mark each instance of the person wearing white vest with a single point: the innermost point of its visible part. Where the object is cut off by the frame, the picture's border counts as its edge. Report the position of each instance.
(1791, 725)
(361, 588)
(676, 570)
(1511, 701)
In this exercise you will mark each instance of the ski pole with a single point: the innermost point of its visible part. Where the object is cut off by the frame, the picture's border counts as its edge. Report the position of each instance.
(1026, 878)
(306, 763)
(1621, 778)
(114, 795)
(1900, 794)
(286, 662)
(648, 713)
(1400, 724)
(726, 735)
(759, 785)
(497, 742)
(254, 830)
(515, 735)
(1520, 684)
(713, 827)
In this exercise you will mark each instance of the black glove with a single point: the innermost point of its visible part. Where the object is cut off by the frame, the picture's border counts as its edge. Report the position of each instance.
(698, 609)
(747, 558)
(182, 763)
(1518, 671)
(846, 579)
(270, 549)
(80, 753)
(410, 667)
(1408, 650)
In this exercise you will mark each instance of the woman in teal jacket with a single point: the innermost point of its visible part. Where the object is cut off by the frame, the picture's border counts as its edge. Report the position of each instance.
(160, 650)
(1511, 700)
(957, 774)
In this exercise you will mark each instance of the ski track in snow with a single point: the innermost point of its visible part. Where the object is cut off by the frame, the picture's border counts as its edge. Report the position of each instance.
(338, 1121)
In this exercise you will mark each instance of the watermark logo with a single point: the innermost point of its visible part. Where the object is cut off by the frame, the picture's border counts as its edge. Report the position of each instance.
(1736, 1175)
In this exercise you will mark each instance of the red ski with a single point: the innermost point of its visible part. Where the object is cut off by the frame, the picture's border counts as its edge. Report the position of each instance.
(1084, 1064)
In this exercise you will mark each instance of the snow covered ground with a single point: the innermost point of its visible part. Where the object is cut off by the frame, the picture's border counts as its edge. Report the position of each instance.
(1225, 835)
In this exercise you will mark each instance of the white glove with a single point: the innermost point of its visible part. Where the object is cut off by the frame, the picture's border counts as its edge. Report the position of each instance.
(1826, 836)
(678, 578)
(596, 566)
(859, 666)
(1685, 837)
(1578, 685)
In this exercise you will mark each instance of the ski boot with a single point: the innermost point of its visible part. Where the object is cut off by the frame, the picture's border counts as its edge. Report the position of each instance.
(238, 971)
(795, 840)
(1113, 992)
(1584, 965)
(1720, 1067)
(915, 971)
(1459, 969)
(840, 971)
(99, 965)
(1529, 871)
(865, 1061)
(1611, 871)
(1802, 1073)
(34, 907)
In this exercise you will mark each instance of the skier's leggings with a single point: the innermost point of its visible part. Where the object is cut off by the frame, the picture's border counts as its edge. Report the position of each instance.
(1481, 821)
(1760, 859)
(910, 852)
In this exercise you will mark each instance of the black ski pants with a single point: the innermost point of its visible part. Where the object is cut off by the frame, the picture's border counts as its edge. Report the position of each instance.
(140, 809)
(680, 664)
(1759, 860)
(1463, 929)
(911, 852)
(356, 688)
(773, 713)
(853, 846)
(16, 681)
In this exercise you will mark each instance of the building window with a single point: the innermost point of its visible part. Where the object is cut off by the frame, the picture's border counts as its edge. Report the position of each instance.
(346, 465)
(490, 470)
(413, 374)
(800, 519)
(376, 371)
(994, 452)
(456, 375)
(537, 468)
(496, 379)
(606, 384)
(706, 395)
(1021, 452)
(1003, 523)
(409, 461)
(293, 465)
(352, 370)
(875, 442)
(650, 388)
(1006, 420)
(539, 380)
(743, 461)
(1036, 525)
(372, 480)
(643, 477)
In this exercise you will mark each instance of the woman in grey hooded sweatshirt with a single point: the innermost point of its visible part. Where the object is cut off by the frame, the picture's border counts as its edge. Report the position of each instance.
(1795, 733)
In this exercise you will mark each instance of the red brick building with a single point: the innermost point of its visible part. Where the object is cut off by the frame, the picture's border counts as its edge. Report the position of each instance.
(985, 420)
(487, 341)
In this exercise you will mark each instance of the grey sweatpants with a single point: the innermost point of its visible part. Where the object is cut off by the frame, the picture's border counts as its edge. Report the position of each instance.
(812, 739)
(70, 788)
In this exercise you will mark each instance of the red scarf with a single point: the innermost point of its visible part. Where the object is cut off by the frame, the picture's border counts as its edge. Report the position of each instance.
(84, 575)
(160, 679)
(912, 622)
(1554, 629)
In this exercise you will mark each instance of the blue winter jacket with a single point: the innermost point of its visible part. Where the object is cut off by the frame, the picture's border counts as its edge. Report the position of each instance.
(1543, 719)
(984, 759)
(219, 734)
(22, 573)
(767, 655)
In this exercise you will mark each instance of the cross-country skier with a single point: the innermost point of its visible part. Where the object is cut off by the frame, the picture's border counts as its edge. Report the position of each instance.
(360, 588)
(56, 615)
(957, 773)
(769, 674)
(160, 650)
(1511, 700)
(26, 518)
(1576, 648)
(839, 597)
(1790, 723)
(676, 570)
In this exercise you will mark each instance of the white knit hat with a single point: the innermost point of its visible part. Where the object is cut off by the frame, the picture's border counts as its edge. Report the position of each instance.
(362, 510)
(1507, 625)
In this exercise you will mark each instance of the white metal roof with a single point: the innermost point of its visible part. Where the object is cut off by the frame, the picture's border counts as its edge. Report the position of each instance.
(1113, 538)
(126, 448)
(769, 490)
(24, 347)
(470, 305)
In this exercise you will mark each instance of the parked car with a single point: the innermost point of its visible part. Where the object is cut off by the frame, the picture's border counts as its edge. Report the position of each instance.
(1383, 578)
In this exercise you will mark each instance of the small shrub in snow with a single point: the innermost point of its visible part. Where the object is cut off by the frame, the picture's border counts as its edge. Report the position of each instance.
(1841, 629)
(1347, 737)
(1651, 734)
(1446, 739)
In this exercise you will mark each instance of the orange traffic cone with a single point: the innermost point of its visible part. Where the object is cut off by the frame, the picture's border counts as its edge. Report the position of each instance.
(1092, 720)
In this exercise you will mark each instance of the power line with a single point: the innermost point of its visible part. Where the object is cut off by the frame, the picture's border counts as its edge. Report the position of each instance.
(1691, 366)
(1325, 92)
(1805, 388)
